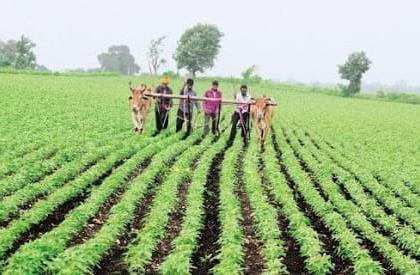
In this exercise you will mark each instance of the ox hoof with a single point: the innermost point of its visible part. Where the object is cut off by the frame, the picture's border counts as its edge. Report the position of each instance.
(136, 129)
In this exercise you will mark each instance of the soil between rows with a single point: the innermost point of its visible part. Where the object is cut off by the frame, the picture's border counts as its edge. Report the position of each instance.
(113, 262)
(373, 251)
(253, 260)
(341, 266)
(95, 223)
(173, 229)
(292, 259)
(203, 258)
(59, 214)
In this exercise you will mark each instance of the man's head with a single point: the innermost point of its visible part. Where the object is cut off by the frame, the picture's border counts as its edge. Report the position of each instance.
(244, 89)
(164, 81)
(215, 85)
(189, 83)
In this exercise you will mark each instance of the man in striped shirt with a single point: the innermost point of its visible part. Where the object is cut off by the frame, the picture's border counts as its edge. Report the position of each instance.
(241, 114)
(185, 111)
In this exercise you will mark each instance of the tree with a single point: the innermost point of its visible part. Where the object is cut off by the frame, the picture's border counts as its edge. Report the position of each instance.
(154, 55)
(198, 48)
(7, 53)
(250, 74)
(18, 54)
(356, 65)
(25, 57)
(42, 68)
(118, 59)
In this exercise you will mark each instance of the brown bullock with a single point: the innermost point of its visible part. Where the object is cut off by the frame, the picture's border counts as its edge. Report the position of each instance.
(140, 106)
(262, 115)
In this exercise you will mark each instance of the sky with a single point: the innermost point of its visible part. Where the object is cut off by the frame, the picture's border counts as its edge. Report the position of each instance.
(303, 40)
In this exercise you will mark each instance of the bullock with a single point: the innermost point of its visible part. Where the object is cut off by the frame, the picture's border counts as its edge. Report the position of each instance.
(262, 115)
(140, 106)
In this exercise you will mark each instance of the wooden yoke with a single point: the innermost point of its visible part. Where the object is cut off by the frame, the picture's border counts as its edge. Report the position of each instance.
(200, 98)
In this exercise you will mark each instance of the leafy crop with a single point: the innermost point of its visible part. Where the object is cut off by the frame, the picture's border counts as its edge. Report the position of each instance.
(336, 189)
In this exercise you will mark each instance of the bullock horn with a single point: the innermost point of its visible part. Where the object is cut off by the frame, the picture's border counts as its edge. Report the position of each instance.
(130, 87)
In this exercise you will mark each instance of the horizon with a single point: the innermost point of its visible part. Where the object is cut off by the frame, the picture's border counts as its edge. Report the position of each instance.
(276, 39)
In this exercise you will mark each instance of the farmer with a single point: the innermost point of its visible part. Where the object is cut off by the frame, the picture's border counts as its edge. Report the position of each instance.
(212, 109)
(185, 110)
(241, 113)
(163, 104)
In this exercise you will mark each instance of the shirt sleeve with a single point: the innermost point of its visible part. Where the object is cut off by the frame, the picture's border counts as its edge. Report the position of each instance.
(157, 91)
(170, 98)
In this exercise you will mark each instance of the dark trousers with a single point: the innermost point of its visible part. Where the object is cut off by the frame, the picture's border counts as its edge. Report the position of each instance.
(214, 125)
(235, 119)
(182, 116)
(162, 118)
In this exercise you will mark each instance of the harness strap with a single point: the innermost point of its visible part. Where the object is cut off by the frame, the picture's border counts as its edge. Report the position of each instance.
(241, 119)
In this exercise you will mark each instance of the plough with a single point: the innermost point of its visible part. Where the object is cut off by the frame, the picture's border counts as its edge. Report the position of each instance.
(189, 98)
(201, 98)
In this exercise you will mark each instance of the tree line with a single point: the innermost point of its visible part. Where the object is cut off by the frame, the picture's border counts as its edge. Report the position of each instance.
(18, 54)
(196, 52)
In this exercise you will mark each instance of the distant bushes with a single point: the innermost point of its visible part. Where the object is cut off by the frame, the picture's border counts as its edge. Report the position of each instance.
(171, 74)
(70, 73)
(398, 97)
(380, 95)
(262, 85)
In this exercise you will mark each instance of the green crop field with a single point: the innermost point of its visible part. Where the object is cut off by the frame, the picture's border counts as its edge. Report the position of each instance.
(336, 189)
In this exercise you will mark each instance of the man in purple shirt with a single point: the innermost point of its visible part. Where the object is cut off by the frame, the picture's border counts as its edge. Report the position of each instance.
(211, 108)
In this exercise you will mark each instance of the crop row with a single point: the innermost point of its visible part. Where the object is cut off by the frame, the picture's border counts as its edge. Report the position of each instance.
(349, 246)
(395, 168)
(379, 191)
(10, 164)
(60, 155)
(310, 247)
(404, 235)
(140, 250)
(323, 174)
(391, 184)
(33, 256)
(82, 258)
(10, 204)
(401, 180)
(231, 237)
(43, 208)
(36, 171)
(184, 245)
(265, 214)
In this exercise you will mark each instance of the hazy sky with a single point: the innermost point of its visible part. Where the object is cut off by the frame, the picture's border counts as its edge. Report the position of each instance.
(287, 39)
